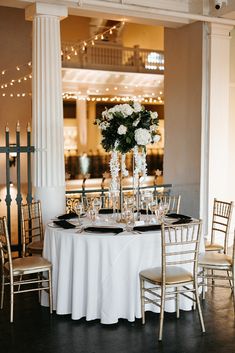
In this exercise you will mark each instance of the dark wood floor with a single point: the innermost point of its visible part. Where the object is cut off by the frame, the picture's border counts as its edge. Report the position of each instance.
(35, 330)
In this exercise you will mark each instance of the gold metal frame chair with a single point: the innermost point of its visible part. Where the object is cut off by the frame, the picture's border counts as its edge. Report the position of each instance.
(215, 262)
(173, 201)
(32, 229)
(221, 219)
(26, 274)
(180, 248)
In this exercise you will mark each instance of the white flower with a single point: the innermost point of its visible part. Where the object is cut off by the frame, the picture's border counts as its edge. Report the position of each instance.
(104, 125)
(123, 166)
(137, 107)
(153, 115)
(156, 138)
(105, 114)
(142, 137)
(122, 130)
(153, 128)
(126, 109)
(136, 122)
(114, 169)
(115, 109)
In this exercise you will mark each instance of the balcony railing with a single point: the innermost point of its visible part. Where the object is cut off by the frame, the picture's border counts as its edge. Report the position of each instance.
(113, 57)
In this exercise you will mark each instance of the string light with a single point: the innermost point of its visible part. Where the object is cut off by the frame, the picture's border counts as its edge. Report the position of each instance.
(17, 68)
(18, 80)
(71, 95)
(67, 52)
(18, 95)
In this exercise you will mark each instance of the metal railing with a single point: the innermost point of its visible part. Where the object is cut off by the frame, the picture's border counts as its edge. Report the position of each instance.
(112, 57)
(75, 196)
(13, 152)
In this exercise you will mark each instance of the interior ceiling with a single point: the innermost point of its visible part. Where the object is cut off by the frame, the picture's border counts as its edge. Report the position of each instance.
(168, 13)
(109, 83)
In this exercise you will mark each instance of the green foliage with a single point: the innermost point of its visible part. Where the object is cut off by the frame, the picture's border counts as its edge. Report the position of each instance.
(131, 117)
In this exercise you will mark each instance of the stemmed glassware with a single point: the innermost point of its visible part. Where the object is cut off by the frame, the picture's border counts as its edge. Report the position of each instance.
(163, 209)
(128, 216)
(96, 204)
(154, 209)
(79, 209)
(94, 208)
(146, 200)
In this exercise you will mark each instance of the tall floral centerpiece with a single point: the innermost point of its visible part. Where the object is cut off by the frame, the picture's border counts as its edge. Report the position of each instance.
(125, 128)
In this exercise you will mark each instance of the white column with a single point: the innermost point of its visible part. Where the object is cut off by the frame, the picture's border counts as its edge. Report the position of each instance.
(81, 115)
(47, 110)
(215, 154)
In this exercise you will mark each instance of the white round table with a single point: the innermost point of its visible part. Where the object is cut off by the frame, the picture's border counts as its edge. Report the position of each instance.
(97, 275)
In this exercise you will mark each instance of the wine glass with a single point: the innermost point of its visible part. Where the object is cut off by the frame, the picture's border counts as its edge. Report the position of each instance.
(147, 198)
(129, 203)
(92, 215)
(79, 209)
(96, 203)
(163, 209)
(128, 215)
(153, 207)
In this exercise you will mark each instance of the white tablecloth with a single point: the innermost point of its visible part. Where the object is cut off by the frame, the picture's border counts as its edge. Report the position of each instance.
(97, 276)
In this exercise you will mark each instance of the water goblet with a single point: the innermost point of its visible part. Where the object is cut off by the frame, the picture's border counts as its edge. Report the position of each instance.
(128, 215)
(153, 208)
(96, 203)
(92, 215)
(79, 209)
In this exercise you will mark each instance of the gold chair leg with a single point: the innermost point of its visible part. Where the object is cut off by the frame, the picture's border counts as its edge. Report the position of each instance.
(50, 292)
(39, 276)
(142, 300)
(177, 303)
(213, 281)
(11, 302)
(163, 289)
(2, 290)
(199, 306)
(230, 281)
(203, 284)
(195, 302)
(233, 291)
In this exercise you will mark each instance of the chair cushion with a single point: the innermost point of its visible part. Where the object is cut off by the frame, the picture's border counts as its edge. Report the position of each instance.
(174, 275)
(213, 247)
(29, 264)
(214, 259)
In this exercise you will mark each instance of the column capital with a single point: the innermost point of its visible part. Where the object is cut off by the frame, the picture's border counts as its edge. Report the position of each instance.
(43, 9)
(217, 29)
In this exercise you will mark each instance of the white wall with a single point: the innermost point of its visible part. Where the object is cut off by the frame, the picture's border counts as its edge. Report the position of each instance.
(183, 90)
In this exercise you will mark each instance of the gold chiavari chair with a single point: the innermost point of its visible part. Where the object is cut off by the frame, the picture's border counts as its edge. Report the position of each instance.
(221, 219)
(173, 202)
(26, 274)
(215, 262)
(178, 273)
(32, 228)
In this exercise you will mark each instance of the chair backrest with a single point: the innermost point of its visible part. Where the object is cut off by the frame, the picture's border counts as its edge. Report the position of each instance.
(221, 219)
(180, 246)
(31, 220)
(5, 247)
(172, 200)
